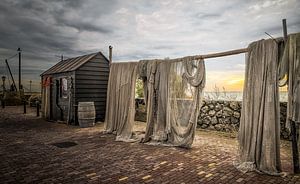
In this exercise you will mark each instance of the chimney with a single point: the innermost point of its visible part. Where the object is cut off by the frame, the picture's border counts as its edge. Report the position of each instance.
(110, 54)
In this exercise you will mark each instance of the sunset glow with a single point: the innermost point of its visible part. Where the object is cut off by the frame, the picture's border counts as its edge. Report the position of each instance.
(223, 80)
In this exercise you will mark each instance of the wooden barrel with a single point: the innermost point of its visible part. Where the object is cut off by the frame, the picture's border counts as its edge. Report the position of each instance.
(86, 114)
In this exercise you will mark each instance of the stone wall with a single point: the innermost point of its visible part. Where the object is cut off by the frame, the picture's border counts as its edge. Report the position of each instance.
(225, 116)
(221, 116)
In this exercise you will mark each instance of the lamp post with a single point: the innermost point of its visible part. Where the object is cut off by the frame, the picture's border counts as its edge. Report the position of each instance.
(30, 82)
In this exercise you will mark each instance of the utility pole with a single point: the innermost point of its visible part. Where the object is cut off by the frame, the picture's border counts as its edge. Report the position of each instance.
(20, 85)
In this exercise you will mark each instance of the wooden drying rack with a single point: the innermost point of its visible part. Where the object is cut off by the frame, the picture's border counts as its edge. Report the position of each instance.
(205, 56)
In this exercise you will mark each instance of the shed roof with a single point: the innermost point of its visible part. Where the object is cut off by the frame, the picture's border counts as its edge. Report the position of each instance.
(71, 64)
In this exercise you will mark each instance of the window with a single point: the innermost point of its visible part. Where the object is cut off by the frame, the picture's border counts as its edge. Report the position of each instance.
(64, 88)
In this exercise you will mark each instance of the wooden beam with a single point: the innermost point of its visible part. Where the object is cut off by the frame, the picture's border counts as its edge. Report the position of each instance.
(207, 56)
(212, 55)
(226, 53)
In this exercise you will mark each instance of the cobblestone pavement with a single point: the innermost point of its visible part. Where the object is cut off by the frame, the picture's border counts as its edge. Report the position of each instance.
(27, 155)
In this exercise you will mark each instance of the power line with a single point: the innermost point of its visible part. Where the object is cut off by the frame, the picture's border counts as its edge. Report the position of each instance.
(12, 57)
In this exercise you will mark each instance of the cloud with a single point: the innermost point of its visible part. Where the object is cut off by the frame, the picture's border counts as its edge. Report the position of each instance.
(138, 29)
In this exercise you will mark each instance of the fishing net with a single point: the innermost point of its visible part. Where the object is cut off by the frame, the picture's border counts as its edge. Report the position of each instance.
(289, 74)
(260, 124)
(120, 107)
(174, 93)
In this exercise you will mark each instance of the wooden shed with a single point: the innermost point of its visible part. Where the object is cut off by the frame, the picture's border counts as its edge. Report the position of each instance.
(79, 79)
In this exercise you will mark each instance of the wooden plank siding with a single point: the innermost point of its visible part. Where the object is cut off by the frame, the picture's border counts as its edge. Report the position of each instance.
(91, 81)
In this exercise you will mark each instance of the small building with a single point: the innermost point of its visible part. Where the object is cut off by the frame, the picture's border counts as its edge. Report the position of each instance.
(79, 79)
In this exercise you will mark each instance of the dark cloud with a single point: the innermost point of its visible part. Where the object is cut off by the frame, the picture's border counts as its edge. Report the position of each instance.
(40, 25)
(43, 29)
(83, 26)
(138, 29)
(32, 33)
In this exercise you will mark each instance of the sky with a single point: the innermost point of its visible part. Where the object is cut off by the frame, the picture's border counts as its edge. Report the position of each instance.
(139, 29)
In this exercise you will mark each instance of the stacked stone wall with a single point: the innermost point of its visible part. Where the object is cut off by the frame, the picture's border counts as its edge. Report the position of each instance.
(221, 116)
(225, 116)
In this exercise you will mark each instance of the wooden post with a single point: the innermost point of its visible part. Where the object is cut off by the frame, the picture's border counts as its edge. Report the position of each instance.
(24, 104)
(295, 147)
(4, 90)
(284, 30)
(50, 100)
(110, 54)
(37, 108)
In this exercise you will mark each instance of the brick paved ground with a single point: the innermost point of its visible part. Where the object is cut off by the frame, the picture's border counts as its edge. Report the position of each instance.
(28, 156)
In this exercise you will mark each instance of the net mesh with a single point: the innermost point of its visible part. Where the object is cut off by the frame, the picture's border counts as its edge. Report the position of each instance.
(120, 109)
(174, 93)
(260, 124)
(186, 83)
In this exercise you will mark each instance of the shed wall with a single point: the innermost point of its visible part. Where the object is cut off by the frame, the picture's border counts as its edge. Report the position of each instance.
(91, 81)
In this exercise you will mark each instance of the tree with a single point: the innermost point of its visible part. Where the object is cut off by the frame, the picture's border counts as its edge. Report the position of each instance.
(139, 89)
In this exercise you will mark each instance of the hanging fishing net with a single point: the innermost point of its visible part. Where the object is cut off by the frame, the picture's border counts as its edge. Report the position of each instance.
(120, 109)
(174, 93)
(260, 124)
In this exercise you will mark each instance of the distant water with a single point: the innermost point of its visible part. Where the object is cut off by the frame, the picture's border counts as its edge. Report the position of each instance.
(236, 96)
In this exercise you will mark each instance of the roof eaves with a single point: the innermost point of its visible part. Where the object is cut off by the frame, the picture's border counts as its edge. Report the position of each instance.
(70, 63)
